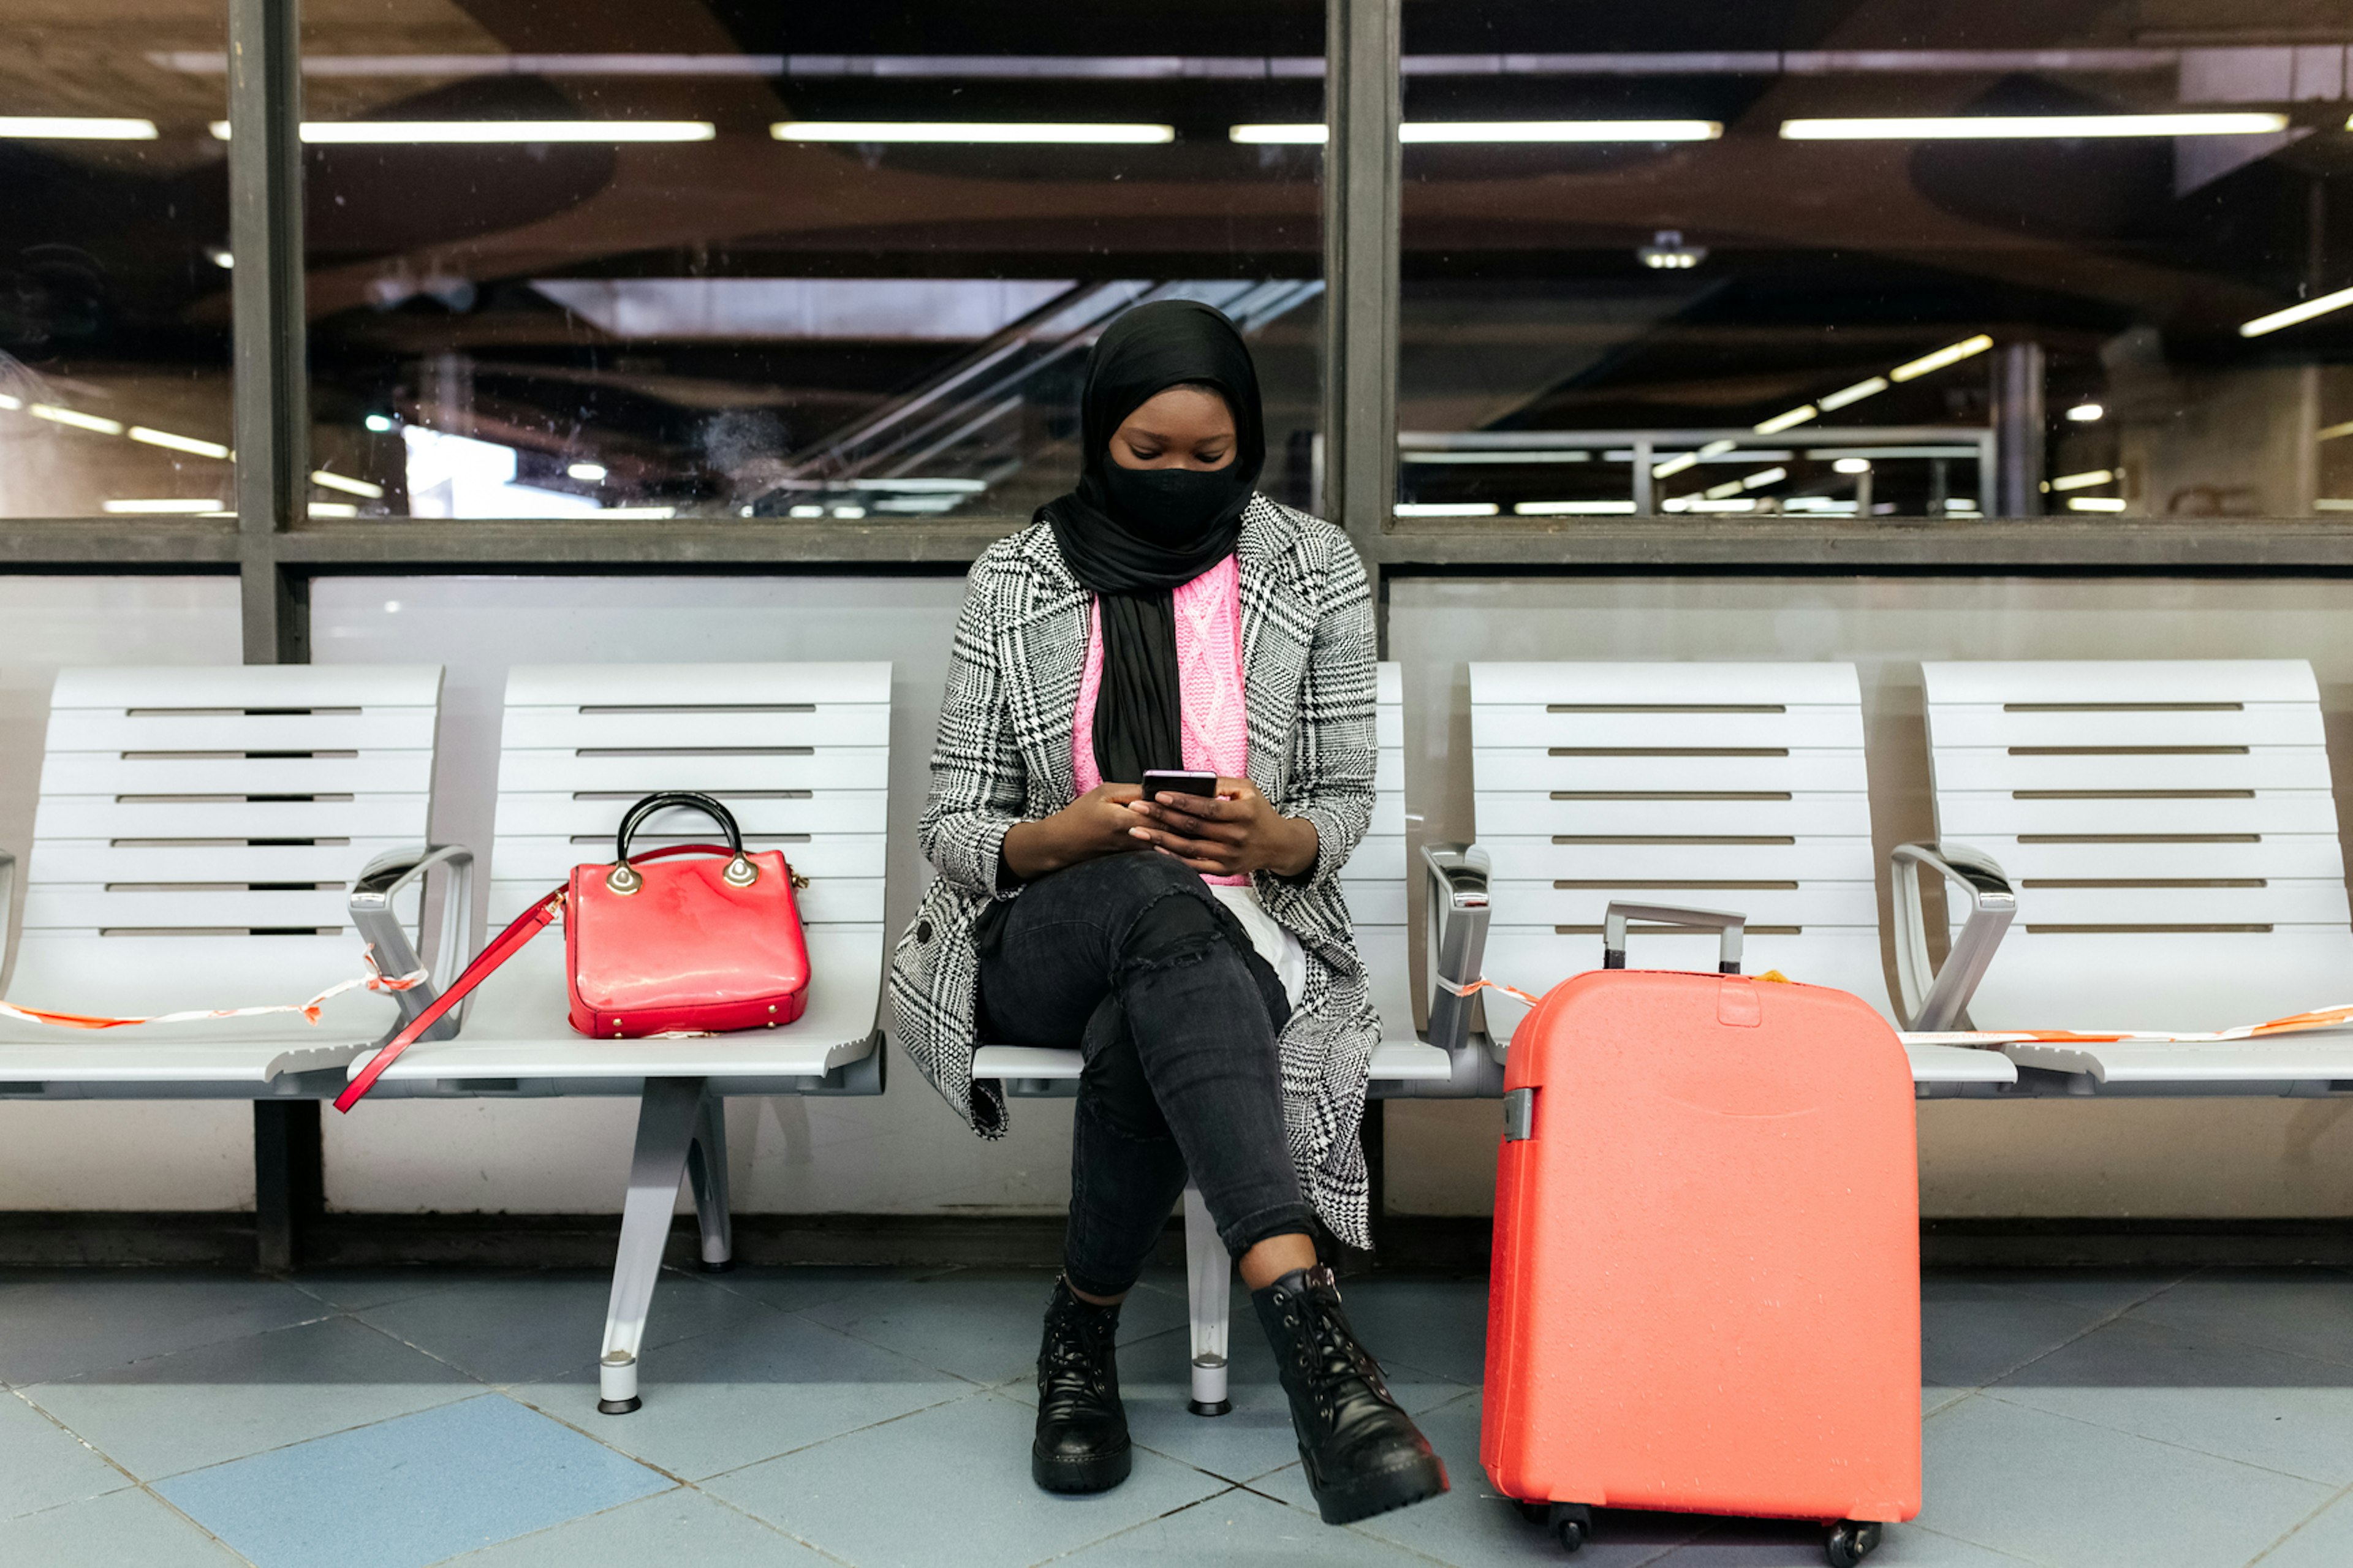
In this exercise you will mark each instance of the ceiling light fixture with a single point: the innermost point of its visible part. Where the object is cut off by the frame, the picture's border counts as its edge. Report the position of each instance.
(349, 487)
(1311, 135)
(179, 443)
(158, 508)
(1763, 476)
(1852, 466)
(1855, 394)
(587, 473)
(2095, 503)
(348, 133)
(74, 128)
(2295, 313)
(1780, 422)
(1447, 509)
(58, 415)
(1673, 466)
(2083, 481)
(1574, 507)
(2016, 127)
(1952, 353)
(976, 130)
(2085, 412)
(1668, 253)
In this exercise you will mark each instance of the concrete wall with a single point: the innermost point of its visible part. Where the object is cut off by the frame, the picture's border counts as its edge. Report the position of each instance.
(119, 1155)
(2054, 1157)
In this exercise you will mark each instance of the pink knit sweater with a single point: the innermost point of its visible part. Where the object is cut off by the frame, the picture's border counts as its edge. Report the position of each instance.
(1209, 683)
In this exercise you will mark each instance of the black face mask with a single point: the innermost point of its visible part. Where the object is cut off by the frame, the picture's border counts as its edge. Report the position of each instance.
(1174, 507)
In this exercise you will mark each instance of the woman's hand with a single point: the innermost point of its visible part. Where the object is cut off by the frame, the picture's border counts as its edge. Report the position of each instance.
(1100, 821)
(1236, 833)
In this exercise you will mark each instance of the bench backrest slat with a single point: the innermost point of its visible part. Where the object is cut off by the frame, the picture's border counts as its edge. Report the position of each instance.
(800, 752)
(1737, 787)
(238, 800)
(2169, 826)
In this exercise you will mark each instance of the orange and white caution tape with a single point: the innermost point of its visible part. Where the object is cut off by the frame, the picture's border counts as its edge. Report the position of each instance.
(2337, 1017)
(310, 1010)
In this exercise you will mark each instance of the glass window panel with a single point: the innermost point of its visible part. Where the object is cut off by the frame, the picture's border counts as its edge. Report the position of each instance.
(114, 288)
(650, 301)
(1900, 258)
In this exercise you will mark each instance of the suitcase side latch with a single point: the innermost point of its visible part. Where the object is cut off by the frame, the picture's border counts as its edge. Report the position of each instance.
(1519, 1115)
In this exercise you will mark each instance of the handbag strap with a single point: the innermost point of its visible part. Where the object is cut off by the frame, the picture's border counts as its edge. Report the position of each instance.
(511, 941)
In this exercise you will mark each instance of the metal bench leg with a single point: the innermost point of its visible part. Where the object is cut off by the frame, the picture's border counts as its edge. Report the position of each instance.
(668, 1115)
(706, 1172)
(1209, 1273)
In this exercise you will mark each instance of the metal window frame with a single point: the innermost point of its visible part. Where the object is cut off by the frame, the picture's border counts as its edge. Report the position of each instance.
(276, 550)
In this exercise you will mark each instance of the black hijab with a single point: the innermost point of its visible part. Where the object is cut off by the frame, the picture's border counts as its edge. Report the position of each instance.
(1133, 536)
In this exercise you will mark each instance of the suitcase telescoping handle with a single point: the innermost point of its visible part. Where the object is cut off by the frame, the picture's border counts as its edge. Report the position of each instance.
(1613, 930)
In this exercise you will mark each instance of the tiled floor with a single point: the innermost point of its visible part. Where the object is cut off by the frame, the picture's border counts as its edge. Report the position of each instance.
(398, 1418)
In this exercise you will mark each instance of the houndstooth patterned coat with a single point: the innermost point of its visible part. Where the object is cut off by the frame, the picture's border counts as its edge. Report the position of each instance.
(1004, 756)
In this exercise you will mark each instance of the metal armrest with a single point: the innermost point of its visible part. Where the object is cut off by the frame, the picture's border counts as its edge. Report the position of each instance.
(372, 895)
(1454, 882)
(7, 919)
(1932, 999)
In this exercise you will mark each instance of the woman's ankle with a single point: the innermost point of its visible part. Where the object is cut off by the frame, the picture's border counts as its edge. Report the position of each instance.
(1090, 1298)
(1277, 1256)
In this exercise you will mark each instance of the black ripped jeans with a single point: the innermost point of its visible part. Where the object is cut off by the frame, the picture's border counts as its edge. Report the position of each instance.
(1133, 961)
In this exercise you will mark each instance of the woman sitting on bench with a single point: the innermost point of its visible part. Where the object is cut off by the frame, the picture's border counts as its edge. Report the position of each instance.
(1165, 616)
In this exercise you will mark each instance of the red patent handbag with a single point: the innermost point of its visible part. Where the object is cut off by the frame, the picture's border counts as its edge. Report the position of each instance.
(658, 944)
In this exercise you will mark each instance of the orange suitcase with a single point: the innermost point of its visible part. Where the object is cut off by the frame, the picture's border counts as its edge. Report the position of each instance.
(1705, 1292)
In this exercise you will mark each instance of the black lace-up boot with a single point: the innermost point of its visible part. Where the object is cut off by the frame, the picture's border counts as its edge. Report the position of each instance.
(1081, 1443)
(1363, 1455)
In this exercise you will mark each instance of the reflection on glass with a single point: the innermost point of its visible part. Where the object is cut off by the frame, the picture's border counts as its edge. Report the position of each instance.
(727, 260)
(114, 307)
(2073, 259)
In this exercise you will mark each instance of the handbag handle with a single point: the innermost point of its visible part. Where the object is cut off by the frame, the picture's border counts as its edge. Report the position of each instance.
(624, 878)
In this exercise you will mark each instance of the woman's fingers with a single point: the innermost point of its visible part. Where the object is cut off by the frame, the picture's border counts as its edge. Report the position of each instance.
(1217, 857)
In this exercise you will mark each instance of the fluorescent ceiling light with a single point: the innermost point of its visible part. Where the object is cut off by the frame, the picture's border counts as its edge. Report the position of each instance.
(333, 508)
(219, 257)
(804, 511)
(1559, 130)
(8, 402)
(1574, 507)
(2335, 432)
(2327, 503)
(1309, 135)
(349, 487)
(2083, 481)
(50, 411)
(1673, 466)
(2010, 127)
(179, 443)
(1763, 476)
(160, 507)
(1447, 509)
(1951, 354)
(346, 132)
(1729, 488)
(1498, 130)
(2295, 313)
(2095, 503)
(1855, 394)
(587, 473)
(970, 130)
(647, 512)
(1780, 422)
(2085, 412)
(74, 128)
(1852, 466)
(1710, 503)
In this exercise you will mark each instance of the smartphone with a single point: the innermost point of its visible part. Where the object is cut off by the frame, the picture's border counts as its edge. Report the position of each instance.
(1158, 782)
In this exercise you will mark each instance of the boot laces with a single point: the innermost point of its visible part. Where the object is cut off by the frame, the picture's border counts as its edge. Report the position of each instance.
(1076, 1356)
(1335, 1366)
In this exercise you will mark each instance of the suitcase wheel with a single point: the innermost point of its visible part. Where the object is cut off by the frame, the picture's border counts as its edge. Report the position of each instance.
(1850, 1543)
(1570, 1523)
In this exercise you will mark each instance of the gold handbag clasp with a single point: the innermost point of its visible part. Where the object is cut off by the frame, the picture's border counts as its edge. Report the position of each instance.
(740, 872)
(624, 878)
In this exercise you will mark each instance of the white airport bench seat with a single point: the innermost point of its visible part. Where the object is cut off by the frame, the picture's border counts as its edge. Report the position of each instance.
(800, 753)
(1377, 886)
(198, 833)
(2170, 828)
(1732, 787)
